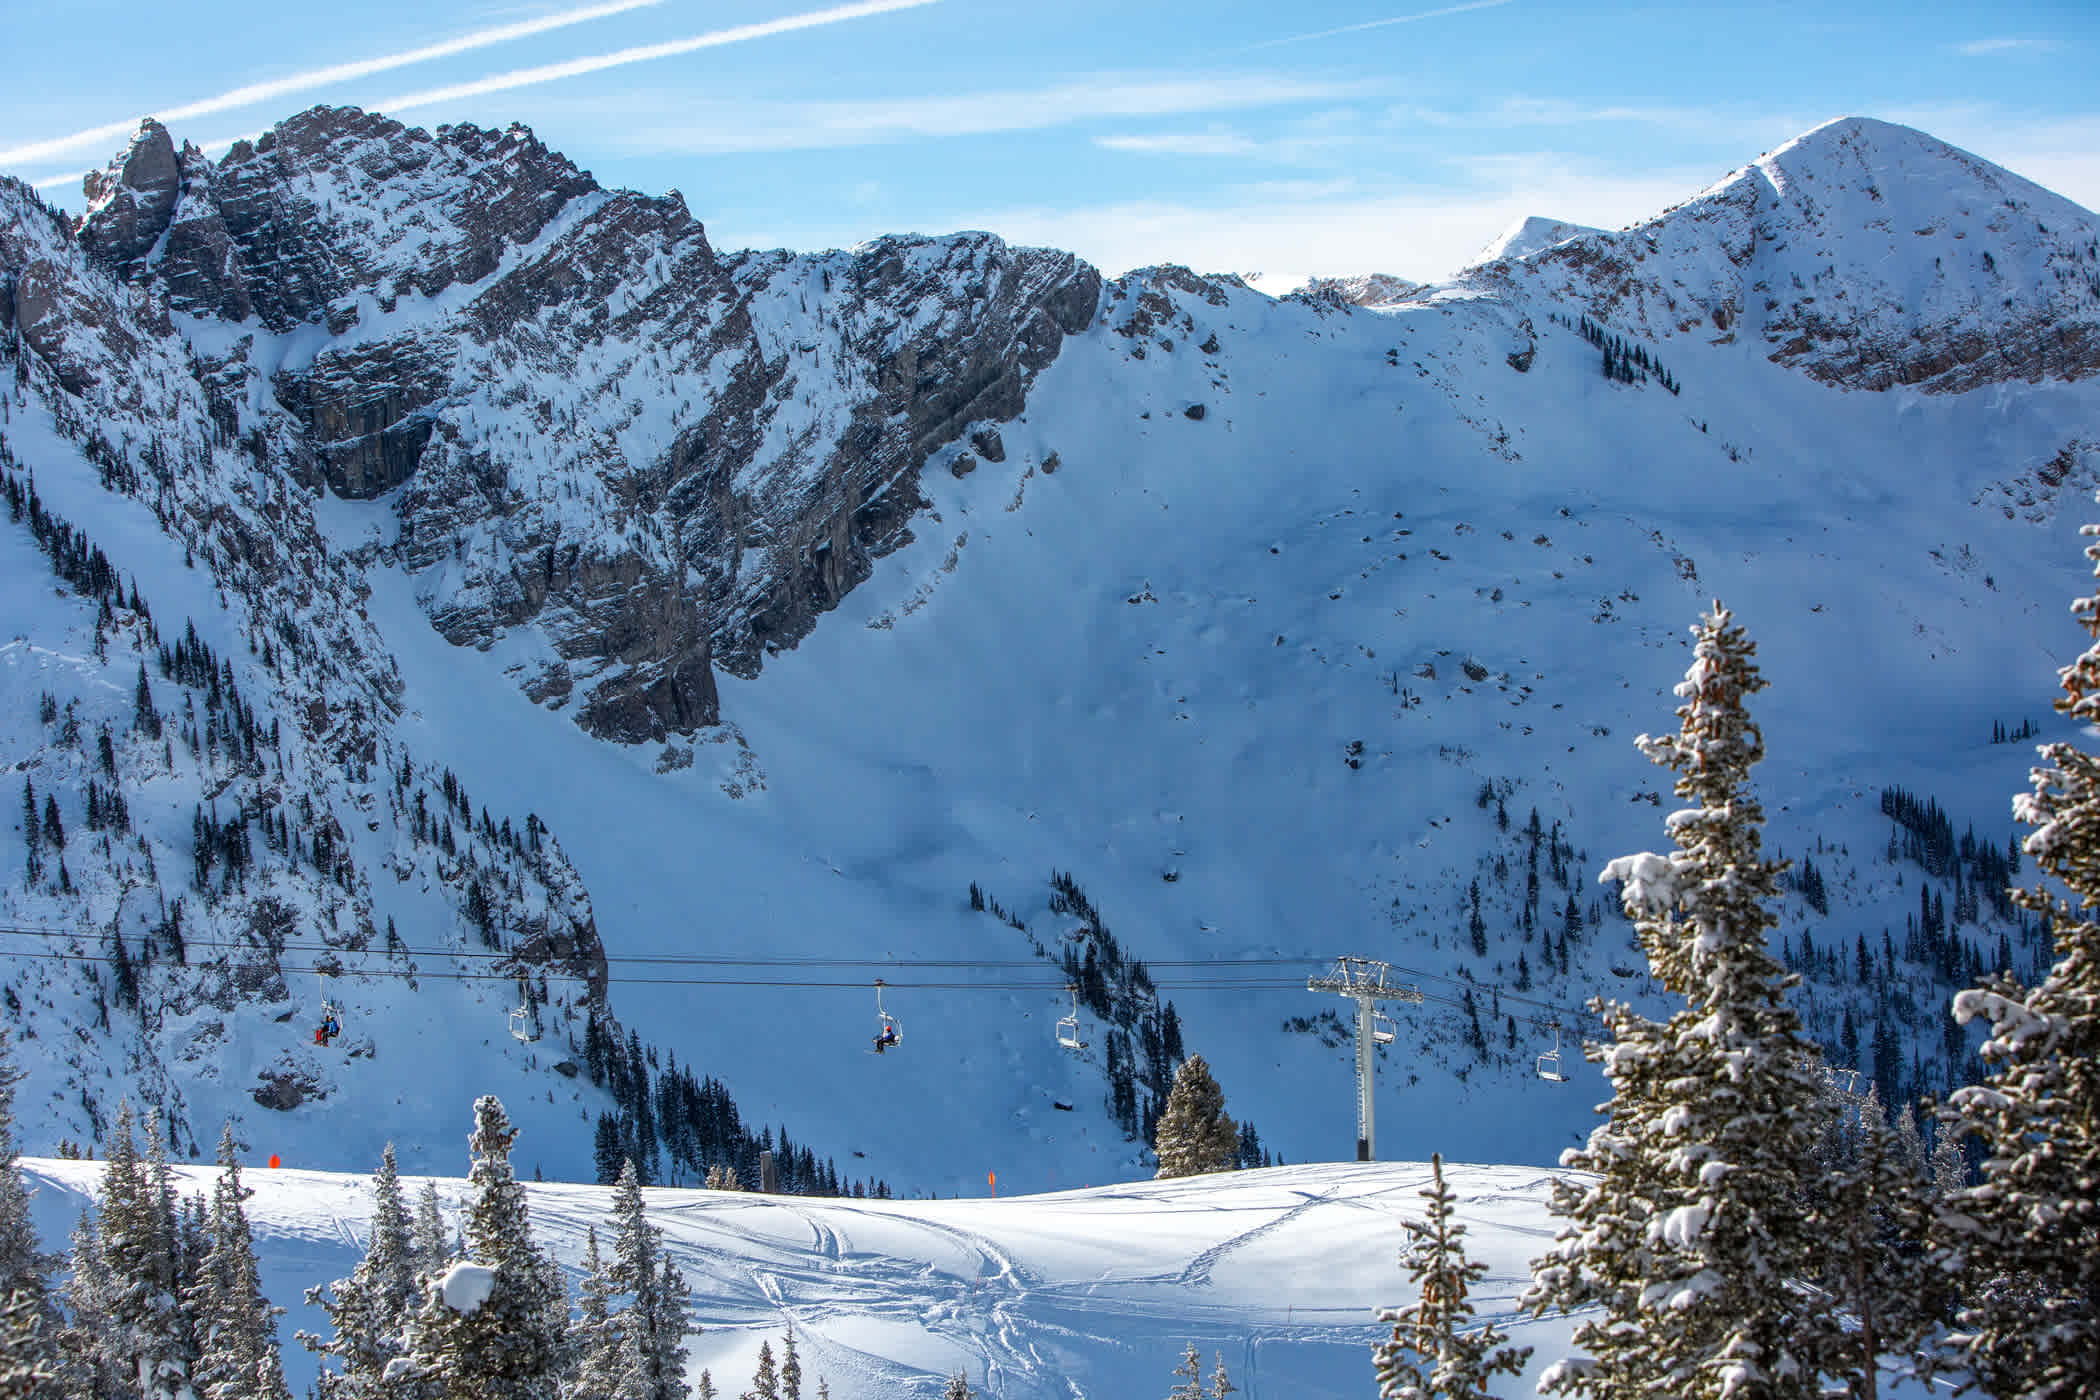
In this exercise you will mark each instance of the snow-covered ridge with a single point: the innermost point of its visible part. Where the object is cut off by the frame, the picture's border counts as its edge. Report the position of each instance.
(1864, 254)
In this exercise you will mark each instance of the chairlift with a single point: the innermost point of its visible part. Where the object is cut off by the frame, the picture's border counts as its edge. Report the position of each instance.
(1068, 1027)
(331, 1015)
(524, 1017)
(1549, 1063)
(1382, 1028)
(888, 1031)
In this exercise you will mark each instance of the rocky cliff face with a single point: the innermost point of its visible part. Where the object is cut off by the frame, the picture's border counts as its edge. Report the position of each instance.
(1866, 255)
(660, 458)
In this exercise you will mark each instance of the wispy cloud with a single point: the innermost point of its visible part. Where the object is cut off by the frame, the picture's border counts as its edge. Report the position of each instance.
(1312, 140)
(644, 53)
(1374, 24)
(635, 122)
(1984, 48)
(317, 77)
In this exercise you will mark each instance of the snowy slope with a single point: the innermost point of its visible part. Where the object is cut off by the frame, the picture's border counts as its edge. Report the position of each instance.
(1082, 1295)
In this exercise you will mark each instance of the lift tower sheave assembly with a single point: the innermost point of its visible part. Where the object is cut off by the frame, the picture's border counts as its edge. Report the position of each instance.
(1366, 983)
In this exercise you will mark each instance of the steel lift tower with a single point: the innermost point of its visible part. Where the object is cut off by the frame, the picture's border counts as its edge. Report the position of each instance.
(1366, 983)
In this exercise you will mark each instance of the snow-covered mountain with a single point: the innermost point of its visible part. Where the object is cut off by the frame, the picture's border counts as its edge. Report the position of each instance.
(1529, 235)
(775, 601)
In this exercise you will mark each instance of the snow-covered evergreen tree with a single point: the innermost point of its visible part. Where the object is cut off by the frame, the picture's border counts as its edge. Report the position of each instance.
(1194, 1135)
(428, 1239)
(29, 1362)
(958, 1387)
(1432, 1355)
(1874, 1209)
(1220, 1382)
(236, 1327)
(1189, 1385)
(485, 1328)
(23, 1266)
(790, 1362)
(653, 1322)
(765, 1381)
(129, 1333)
(2027, 1235)
(1690, 1238)
(370, 1310)
(601, 1356)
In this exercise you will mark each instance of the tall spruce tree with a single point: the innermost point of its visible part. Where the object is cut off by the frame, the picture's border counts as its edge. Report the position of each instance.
(601, 1370)
(29, 1318)
(2027, 1234)
(653, 1321)
(369, 1311)
(1873, 1210)
(237, 1355)
(1194, 1134)
(24, 1268)
(504, 1344)
(130, 1333)
(429, 1241)
(1690, 1236)
(1433, 1355)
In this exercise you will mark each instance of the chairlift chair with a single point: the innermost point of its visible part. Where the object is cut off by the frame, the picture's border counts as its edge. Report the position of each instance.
(524, 1017)
(1068, 1027)
(888, 1030)
(1382, 1028)
(1549, 1063)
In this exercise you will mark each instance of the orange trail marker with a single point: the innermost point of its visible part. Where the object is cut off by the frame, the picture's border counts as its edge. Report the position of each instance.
(275, 1161)
(993, 1177)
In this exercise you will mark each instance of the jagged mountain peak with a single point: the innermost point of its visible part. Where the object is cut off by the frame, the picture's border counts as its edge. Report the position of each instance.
(1864, 254)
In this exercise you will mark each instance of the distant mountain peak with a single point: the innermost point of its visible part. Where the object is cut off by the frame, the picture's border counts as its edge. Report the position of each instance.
(1528, 235)
(1864, 253)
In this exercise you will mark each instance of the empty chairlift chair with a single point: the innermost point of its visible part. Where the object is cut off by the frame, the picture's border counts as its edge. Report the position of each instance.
(1068, 1027)
(1549, 1063)
(1382, 1028)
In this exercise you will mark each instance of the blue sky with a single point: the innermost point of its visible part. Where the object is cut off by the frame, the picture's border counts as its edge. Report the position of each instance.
(1323, 136)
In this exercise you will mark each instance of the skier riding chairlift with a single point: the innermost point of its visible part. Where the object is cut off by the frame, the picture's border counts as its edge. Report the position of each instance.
(330, 1026)
(886, 1025)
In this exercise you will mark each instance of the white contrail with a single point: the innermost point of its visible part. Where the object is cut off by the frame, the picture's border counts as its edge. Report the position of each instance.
(317, 77)
(547, 73)
(1375, 24)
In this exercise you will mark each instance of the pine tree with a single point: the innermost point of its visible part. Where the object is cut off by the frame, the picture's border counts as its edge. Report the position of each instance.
(790, 1365)
(236, 1325)
(1194, 1134)
(1190, 1371)
(29, 1321)
(653, 1323)
(1220, 1383)
(145, 718)
(23, 1266)
(601, 1359)
(1688, 1239)
(2035, 1214)
(765, 1382)
(1431, 1356)
(507, 1347)
(958, 1387)
(1872, 1220)
(130, 1332)
(428, 1240)
(369, 1311)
